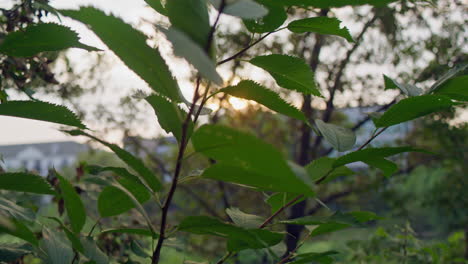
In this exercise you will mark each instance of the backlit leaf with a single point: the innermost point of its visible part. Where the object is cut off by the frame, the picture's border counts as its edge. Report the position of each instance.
(190, 17)
(40, 37)
(130, 46)
(42, 111)
(25, 182)
(455, 88)
(186, 48)
(289, 72)
(132, 161)
(407, 89)
(320, 25)
(247, 9)
(447, 76)
(412, 108)
(244, 159)
(243, 219)
(170, 116)
(157, 6)
(375, 157)
(274, 19)
(252, 91)
(75, 208)
(340, 138)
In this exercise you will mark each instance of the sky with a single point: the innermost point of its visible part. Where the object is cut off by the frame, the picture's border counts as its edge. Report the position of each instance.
(122, 80)
(18, 130)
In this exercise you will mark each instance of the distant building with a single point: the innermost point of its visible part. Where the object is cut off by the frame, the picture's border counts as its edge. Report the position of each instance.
(40, 157)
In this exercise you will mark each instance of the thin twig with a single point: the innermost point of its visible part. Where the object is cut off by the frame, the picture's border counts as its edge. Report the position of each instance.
(292, 252)
(372, 138)
(224, 258)
(242, 51)
(269, 219)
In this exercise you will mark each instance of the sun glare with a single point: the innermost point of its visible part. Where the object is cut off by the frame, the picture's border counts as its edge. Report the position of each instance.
(237, 103)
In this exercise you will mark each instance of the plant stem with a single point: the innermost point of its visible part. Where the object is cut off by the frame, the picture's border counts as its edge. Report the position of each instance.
(183, 145)
(242, 51)
(269, 219)
(290, 255)
(165, 209)
(372, 138)
(224, 258)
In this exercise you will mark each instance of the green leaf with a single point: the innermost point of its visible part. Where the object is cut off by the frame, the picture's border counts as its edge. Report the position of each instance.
(92, 251)
(18, 229)
(113, 201)
(40, 37)
(447, 76)
(42, 111)
(388, 167)
(364, 216)
(328, 228)
(130, 46)
(16, 211)
(242, 219)
(369, 153)
(131, 231)
(72, 237)
(389, 83)
(186, 48)
(320, 25)
(412, 108)
(57, 250)
(375, 157)
(247, 9)
(157, 6)
(357, 219)
(132, 161)
(190, 17)
(75, 208)
(340, 138)
(335, 3)
(278, 200)
(11, 253)
(170, 116)
(323, 166)
(289, 72)
(407, 89)
(273, 20)
(312, 257)
(238, 238)
(252, 91)
(25, 182)
(138, 250)
(244, 159)
(454, 88)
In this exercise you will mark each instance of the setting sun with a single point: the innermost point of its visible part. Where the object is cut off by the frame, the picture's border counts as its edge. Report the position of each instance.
(237, 103)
